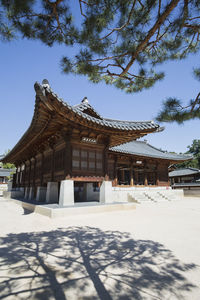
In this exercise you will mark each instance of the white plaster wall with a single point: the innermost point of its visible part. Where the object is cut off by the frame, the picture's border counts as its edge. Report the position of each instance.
(3, 187)
(192, 193)
(124, 194)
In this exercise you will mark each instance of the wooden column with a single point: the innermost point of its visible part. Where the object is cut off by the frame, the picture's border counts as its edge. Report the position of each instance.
(52, 163)
(42, 168)
(157, 175)
(21, 176)
(136, 176)
(123, 177)
(24, 177)
(34, 168)
(68, 156)
(18, 176)
(145, 179)
(145, 174)
(105, 160)
(131, 174)
(29, 175)
(14, 181)
(115, 172)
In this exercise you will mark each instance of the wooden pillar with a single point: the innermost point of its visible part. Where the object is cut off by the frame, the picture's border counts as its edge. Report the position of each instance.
(18, 176)
(105, 160)
(34, 168)
(42, 168)
(21, 176)
(29, 175)
(131, 175)
(145, 174)
(68, 156)
(19, 171)
(136, 176)
(14, 181)
(157, 175)
(24, 177)
(123, 177)
(115, 172)
(52, 163)
(145, 178)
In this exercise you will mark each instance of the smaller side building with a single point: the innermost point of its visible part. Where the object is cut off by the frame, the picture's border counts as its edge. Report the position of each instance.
(186, 175)
(4, 175)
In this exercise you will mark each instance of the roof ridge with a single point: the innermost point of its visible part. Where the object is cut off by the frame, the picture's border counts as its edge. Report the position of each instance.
(164, 154)
(194, 169)
(128, 121)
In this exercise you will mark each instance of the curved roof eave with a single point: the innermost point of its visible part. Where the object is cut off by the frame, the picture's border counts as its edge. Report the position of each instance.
(143, 149)
(108, 123)
(132, 129)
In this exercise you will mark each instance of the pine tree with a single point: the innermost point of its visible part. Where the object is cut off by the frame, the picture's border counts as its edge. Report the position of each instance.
(194, 149)
(120, 42)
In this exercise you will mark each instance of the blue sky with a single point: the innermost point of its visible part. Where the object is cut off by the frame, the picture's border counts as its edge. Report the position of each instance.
(23, 62)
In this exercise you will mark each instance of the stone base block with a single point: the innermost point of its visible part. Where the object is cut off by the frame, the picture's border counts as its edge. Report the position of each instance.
(26, 195)
(13, 194)
(106, 192)
(9, 186)
(66, 193)
(41, 194)
(31, 194)
(52, 192)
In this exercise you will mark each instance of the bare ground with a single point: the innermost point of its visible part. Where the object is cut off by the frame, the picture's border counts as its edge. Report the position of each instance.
(152, 252)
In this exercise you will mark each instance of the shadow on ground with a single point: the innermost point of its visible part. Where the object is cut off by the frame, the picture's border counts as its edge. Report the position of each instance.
(88, 263)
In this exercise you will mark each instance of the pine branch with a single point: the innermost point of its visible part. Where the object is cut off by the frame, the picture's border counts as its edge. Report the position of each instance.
(151, 32)
(124, 25)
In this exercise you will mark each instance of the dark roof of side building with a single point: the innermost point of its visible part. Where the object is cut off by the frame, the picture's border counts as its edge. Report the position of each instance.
(142, 148)
(184, 172)
(5, 172)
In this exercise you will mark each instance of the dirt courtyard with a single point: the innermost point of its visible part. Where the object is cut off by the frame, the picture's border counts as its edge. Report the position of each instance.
(152, 252)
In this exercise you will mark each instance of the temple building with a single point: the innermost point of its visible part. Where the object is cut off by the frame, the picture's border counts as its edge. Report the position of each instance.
(69, 152)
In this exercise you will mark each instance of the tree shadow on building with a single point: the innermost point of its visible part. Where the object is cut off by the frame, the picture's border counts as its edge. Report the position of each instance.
(88, 263)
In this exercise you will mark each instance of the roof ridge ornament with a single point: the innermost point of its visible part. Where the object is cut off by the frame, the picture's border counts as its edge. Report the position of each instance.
(85, 100)
(45, 83)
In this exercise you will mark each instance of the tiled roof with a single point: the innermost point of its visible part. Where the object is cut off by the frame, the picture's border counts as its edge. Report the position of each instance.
(5, 172)
(84, 106)
(109, 123)
(142, 148)
(184, 172)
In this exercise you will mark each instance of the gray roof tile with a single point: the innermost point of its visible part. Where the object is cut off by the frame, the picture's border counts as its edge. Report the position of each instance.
(142, 148)
(79, 109)
(184, 172)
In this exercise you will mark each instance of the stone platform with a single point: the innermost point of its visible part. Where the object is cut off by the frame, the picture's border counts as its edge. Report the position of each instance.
(55, 211)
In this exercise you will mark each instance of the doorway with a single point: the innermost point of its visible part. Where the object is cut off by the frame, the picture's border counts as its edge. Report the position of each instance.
(86, 192)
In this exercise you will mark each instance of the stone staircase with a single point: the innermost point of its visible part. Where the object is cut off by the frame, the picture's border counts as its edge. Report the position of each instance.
(3, 187)
(152, 196)
(139, 197)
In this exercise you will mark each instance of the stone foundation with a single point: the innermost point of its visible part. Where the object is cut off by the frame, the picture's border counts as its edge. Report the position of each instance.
(66, 193)
(41, 194)
(52, 192)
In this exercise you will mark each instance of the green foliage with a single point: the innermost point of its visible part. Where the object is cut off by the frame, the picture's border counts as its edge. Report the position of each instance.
(120, 42)
(174, 110)
(8, 165)
(194, 149)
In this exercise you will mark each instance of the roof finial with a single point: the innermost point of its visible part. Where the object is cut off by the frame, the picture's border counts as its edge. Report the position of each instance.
(45, 83)
(85, 100)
